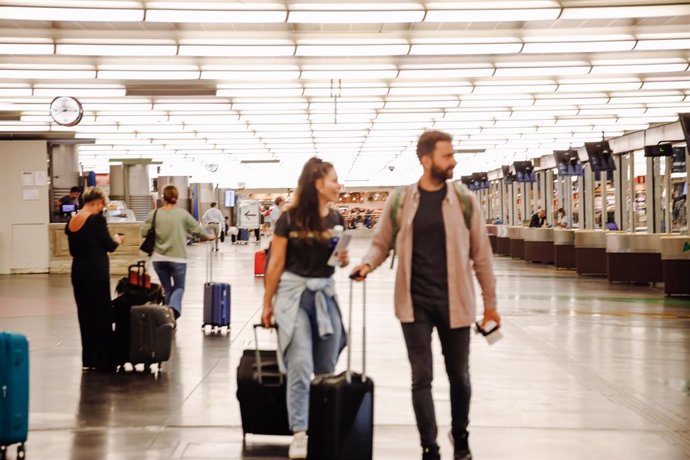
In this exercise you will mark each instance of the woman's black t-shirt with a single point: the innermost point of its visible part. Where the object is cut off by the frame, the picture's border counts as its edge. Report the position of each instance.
(307, 255)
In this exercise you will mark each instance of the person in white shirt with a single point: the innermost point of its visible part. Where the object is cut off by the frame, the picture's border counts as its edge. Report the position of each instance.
(563, 220)
(213, 219)
(276, 211)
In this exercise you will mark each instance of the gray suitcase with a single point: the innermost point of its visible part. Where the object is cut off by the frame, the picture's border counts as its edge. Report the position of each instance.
(151, 331)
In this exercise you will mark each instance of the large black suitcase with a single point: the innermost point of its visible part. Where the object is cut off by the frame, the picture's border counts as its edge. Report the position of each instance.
(261, 392)
(341, 408)
(129, 295)
(151, 332)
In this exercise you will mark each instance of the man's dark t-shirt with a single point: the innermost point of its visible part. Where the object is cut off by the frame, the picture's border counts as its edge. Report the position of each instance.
(307, 255)
(429, 261)
(69, 200)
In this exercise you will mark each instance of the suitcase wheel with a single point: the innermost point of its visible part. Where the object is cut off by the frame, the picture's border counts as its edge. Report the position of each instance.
(3, 452)
(209, 329)
(21, 451)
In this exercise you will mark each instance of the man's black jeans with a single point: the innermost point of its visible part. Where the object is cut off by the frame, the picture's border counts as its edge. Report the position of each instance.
(455, 344)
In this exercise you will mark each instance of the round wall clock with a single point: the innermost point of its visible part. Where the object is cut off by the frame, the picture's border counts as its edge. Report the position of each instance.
(66, 111)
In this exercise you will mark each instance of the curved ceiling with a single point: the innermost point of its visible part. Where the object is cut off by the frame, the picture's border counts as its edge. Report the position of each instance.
(258, 87)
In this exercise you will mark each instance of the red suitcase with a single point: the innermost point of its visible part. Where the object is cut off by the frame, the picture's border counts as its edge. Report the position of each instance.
(138, 276)
(260, 263)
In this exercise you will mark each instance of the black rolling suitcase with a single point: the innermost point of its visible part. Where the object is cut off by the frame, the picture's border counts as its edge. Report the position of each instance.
(261, 392)
(151, 331)
(129, 295)
(341, 408)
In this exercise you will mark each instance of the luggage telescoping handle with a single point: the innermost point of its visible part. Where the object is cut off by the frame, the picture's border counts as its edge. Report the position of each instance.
(348, 374)
(209, 264)
(140, 267)
(256, 349)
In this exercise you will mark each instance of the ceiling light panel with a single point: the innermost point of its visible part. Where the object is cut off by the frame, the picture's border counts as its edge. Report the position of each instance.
(256, 92)
(578, 47)
(619, 12)
(236, 50)
(27, 48)
(449, 49)
(446, 73)
(635, 69)
(216, 16)
(352, 50)
(430, 90)
(56, 74)
(466, 15)
(346, 92)
(102, 49)
(360, 13)
(248, 75)
(542, 71)
(42, 13)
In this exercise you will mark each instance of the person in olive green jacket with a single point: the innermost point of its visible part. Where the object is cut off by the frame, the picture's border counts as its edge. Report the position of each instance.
(170, 252)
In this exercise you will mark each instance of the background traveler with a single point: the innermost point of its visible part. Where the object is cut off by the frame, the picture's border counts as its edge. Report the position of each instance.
(89, 244)
(170, 252)
(213, 219)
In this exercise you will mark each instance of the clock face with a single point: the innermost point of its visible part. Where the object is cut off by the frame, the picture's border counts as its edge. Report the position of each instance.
(66, 111)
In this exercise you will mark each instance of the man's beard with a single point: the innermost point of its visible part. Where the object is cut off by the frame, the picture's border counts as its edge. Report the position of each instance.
(441, 175)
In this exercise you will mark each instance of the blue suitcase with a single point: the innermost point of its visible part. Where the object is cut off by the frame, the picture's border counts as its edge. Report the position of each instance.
(216, 305)
(216, 301)
(14, 392)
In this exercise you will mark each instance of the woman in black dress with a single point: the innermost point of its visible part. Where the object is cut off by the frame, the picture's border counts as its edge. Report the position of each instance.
(89, 244)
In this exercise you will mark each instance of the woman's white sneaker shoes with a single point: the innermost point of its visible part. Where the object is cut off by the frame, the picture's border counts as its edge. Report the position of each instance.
(298, 446)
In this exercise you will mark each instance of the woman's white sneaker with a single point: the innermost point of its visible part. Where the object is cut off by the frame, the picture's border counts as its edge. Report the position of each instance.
(298, 446)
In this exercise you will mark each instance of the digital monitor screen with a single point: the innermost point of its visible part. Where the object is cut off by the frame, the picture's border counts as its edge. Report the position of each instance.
(678, 164)
(600, 156)
(229, 199)
(508, 177)
(659, 150)
(68, 208)
(568, 163)
(524, 171)
(479, 181)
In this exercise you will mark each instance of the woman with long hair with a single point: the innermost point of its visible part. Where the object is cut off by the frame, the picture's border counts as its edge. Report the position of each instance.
(172, 224)
(300, 291)
(89, 244)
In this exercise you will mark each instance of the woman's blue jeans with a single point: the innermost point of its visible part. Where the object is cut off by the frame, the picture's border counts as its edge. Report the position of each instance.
(309, 354)
(172, 276)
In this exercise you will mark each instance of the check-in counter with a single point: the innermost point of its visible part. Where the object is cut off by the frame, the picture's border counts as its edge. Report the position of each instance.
(590, 252)
(492, 231)
(564, 248)
(502, 240)
(538, 246)
(517, 242)
(123, 257)
(675, 260)
(634, 257)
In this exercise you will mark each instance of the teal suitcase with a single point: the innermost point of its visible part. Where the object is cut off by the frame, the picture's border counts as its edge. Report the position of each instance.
(14, 392)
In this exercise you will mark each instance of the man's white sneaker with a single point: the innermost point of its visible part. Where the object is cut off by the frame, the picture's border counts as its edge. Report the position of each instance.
(298, 446)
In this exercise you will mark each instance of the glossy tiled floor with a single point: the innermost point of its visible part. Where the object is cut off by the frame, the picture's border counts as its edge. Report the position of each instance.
(586, 370)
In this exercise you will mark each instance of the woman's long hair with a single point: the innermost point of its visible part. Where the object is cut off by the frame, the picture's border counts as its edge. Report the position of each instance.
(304, 211)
